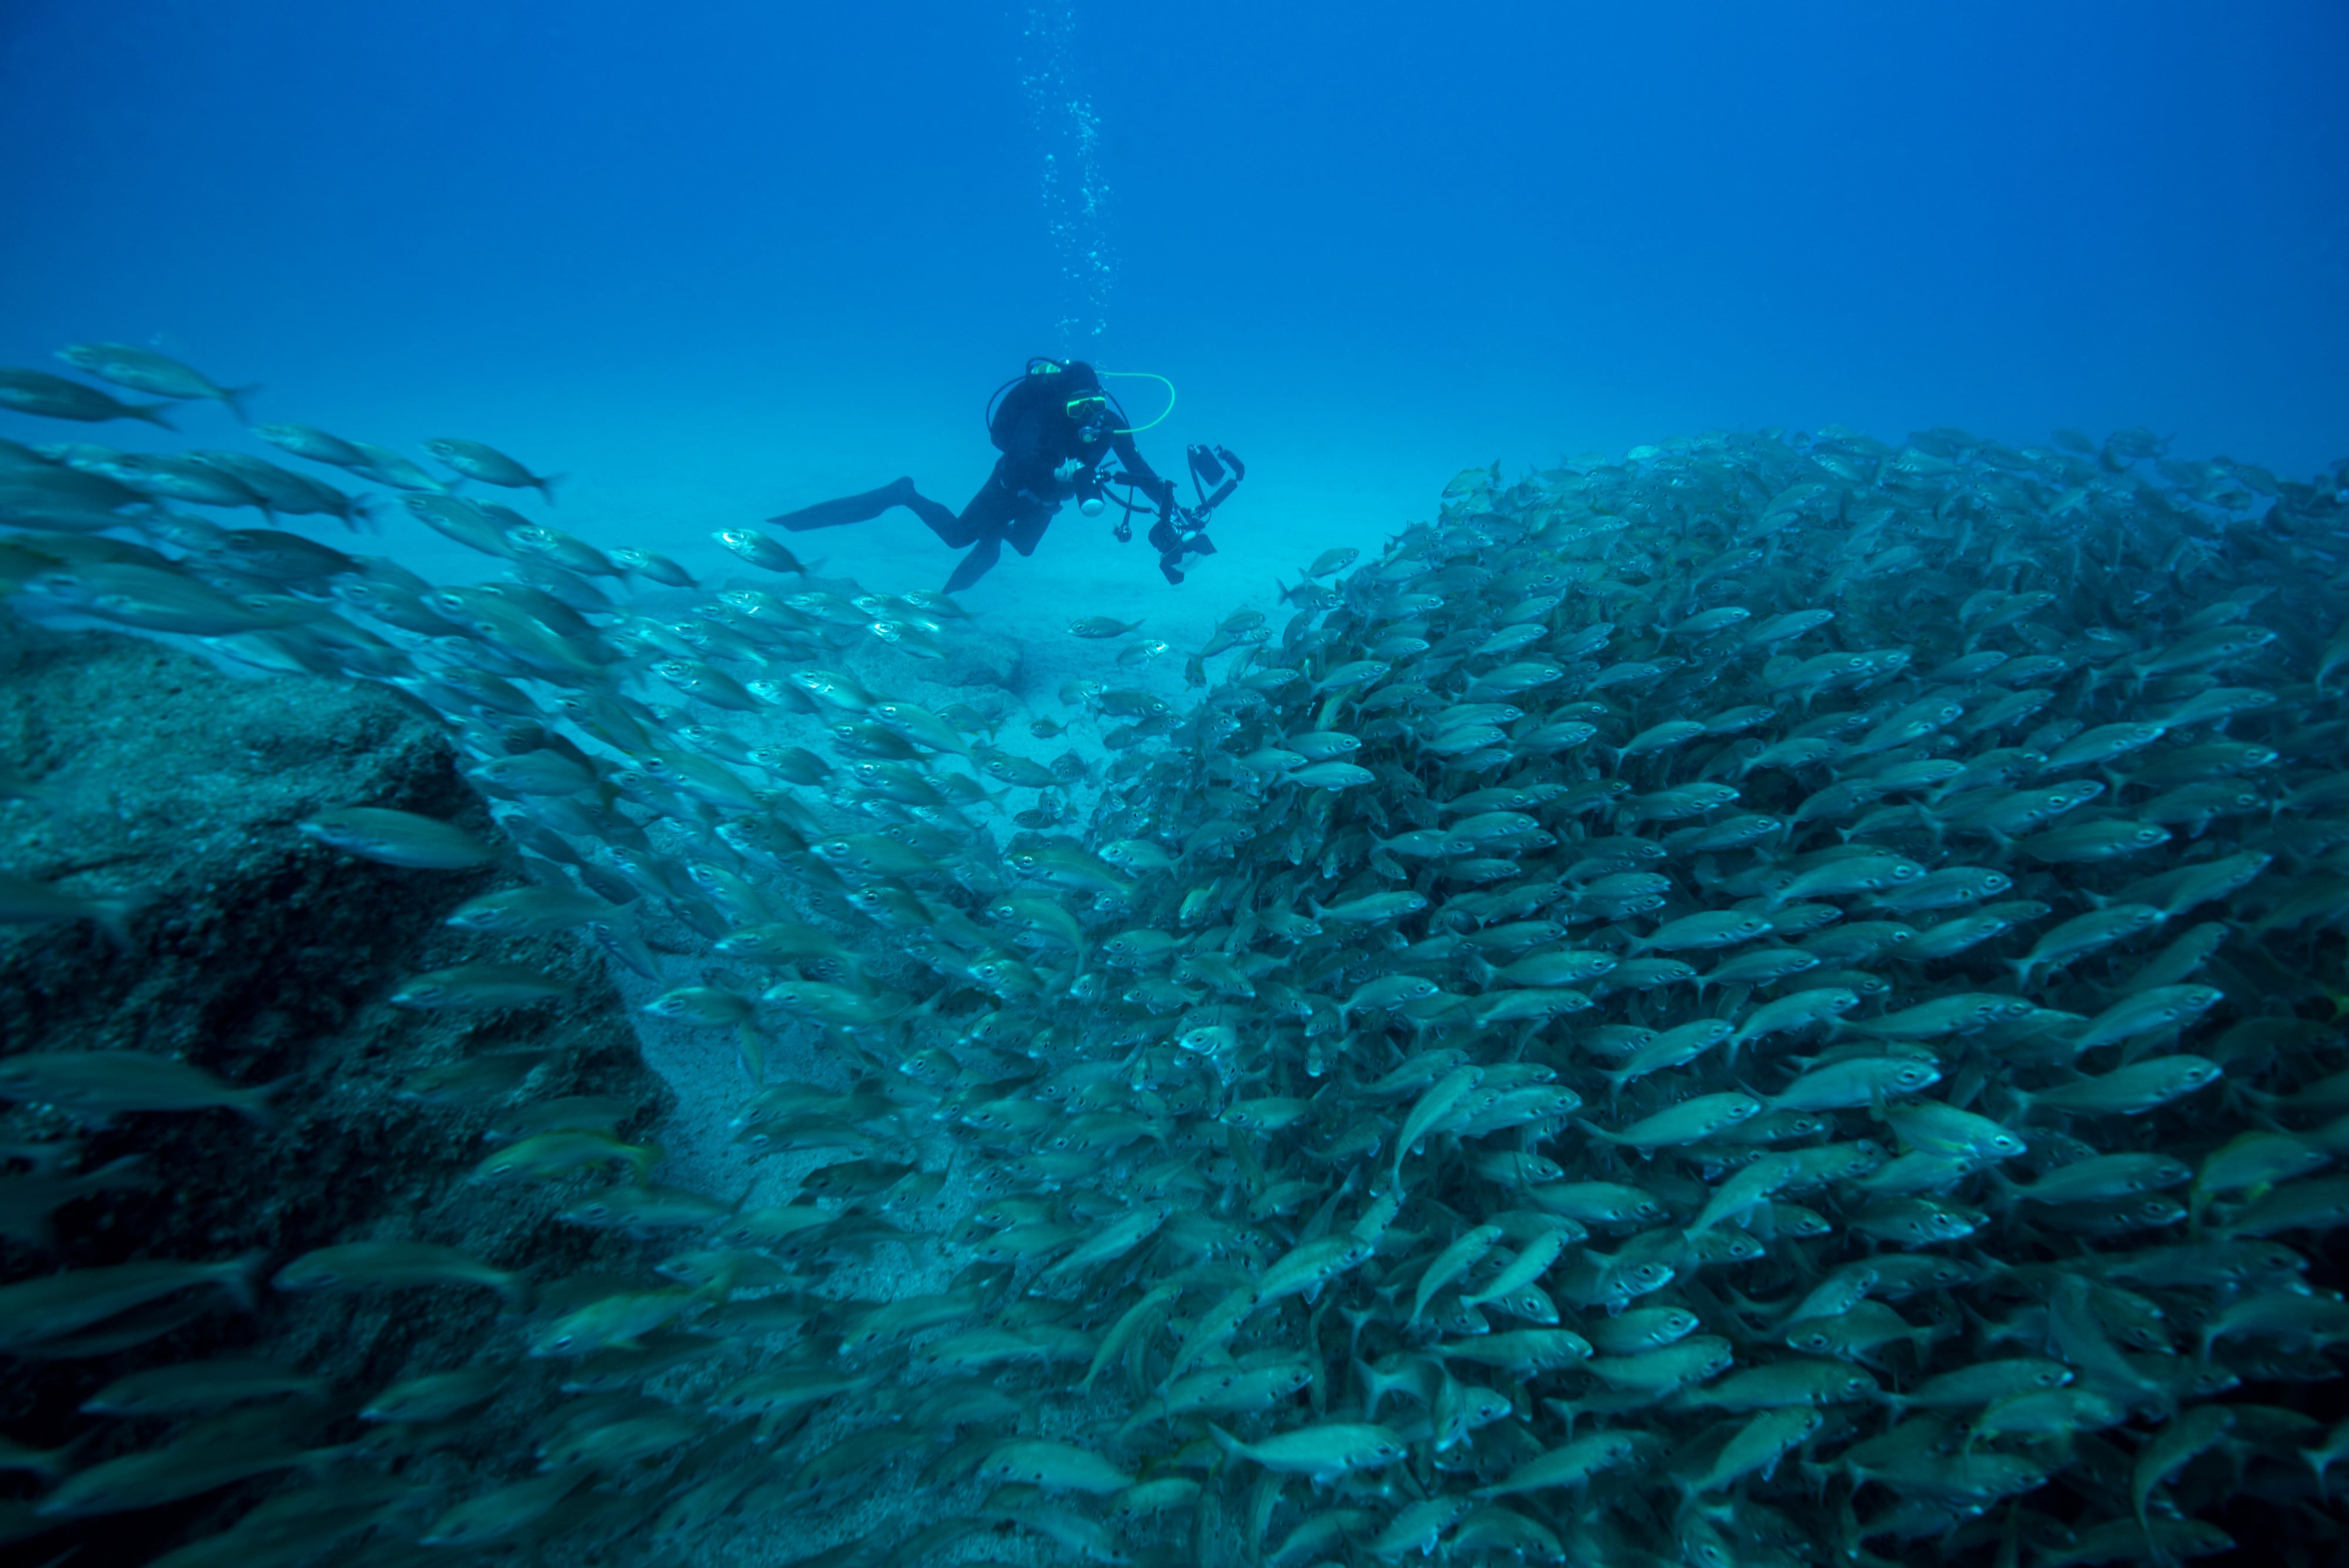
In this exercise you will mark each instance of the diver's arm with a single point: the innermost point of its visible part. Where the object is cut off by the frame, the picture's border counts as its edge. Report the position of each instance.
(1145, 478)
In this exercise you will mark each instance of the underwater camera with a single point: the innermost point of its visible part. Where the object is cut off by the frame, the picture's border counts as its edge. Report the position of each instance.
(1215, 472)
(1207, 474)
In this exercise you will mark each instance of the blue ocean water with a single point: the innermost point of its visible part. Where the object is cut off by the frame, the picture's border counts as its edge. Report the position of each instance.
(714, 261)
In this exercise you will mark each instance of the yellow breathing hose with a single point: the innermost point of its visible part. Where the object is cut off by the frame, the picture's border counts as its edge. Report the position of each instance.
(1152, 376)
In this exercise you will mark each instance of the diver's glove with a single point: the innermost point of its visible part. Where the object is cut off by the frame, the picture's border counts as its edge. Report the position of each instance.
(1069, 470)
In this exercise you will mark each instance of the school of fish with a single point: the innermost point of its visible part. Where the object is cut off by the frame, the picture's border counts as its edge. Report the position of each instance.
(1773, 1001)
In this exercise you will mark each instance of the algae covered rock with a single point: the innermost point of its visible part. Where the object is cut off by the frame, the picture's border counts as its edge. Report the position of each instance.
(146, 778)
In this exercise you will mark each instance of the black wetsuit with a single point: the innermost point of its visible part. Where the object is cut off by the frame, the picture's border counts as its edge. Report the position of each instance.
(1038, 441)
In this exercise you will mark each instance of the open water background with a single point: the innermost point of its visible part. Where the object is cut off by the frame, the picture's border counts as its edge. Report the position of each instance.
(712, 261)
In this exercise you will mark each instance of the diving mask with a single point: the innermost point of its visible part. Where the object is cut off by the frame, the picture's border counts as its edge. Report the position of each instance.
(1090, 413)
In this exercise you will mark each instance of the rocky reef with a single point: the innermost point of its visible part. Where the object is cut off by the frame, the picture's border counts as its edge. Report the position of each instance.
(262, 958)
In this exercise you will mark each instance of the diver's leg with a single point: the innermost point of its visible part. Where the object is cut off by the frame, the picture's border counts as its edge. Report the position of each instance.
(940, 517)
(1026, 530)
(849, 508)
(982, 526)
(978, 563)
(986, 513)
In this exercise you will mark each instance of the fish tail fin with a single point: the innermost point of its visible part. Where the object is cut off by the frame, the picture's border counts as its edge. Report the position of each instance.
(517, 1292)
(253, 1103)
(240, 1278)
(113, 915)
(59, 1462)
(2005, 1186)
(234, 398)
(152, 413)
(717, 1289)
(2257, 1106)
(1374, 1387)
(1226, 1441)
(2320, 1460)
(544, 485)
(123, 1174)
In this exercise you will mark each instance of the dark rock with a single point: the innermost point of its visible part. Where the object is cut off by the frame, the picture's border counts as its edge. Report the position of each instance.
(263, 957)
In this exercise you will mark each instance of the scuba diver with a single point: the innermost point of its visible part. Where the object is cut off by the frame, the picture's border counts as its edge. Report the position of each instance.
(1054, 424)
